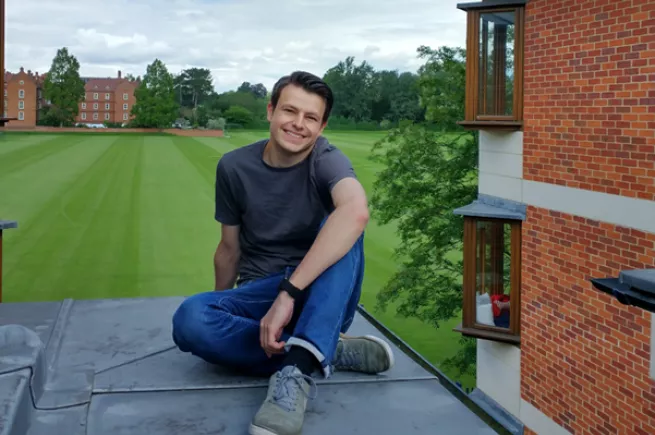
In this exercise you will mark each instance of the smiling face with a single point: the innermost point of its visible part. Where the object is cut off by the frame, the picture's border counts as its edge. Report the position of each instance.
(297, 120)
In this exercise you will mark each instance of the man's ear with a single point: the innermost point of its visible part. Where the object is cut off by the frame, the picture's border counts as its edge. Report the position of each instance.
(269, 111)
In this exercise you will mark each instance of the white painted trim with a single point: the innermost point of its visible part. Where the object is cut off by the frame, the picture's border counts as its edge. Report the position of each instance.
(619, 210)
(539, 422)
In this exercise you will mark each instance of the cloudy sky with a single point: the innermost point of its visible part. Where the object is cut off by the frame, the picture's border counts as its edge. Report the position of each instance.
(238, 40)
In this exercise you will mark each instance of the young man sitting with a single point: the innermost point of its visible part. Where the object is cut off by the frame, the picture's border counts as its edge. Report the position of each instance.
(292, 216)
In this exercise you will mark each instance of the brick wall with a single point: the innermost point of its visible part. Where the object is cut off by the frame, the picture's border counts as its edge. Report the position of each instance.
(584, 356)
(590, 95)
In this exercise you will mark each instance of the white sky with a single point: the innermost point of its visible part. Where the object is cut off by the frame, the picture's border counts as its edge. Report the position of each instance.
(238, 40)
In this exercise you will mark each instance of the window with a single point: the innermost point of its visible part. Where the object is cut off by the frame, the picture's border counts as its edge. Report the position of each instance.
(21, 104)
(106, 116)
(107, 96)
(22, 82)
(83, 105)
(125, 116)
(491, 282)
(21, 93)
(95, 106)
(95, 95)
(125, 106)
(494, 64)
(107, 106)
(83, 115)
(125, 96)
(95, 116)
(21, 116)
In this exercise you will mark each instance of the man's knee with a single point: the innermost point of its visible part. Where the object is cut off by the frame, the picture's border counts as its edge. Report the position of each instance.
(188, 322)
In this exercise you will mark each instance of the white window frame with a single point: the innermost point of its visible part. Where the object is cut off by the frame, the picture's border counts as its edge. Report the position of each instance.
(21, 93)
(95, 106)
(107, 117)
(83, 105)
(125, 116)
(21, 116)
(107, 106)
(83, 115)
(107, 96)
(125, 96)
(95, 115)
(21, 105)
(95, 95)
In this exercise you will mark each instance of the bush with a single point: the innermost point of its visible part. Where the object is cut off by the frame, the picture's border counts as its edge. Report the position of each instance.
(216, 124)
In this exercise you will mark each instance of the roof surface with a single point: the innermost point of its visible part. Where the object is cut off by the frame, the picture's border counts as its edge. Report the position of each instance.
(91, 367)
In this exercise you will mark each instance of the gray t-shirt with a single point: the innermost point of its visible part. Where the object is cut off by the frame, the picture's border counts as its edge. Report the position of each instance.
(279, 209)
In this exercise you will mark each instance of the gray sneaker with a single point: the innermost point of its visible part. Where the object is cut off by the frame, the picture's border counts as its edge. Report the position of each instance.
(283, 411)
(366, 354)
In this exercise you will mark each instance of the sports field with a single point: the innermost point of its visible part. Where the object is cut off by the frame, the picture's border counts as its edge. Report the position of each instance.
(103, 216)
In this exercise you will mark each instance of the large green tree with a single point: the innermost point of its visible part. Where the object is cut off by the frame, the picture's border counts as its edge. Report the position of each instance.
(155, 98)
(429, 170)
(63, 88)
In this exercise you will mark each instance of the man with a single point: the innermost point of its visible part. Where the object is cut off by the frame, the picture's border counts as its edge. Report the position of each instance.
(292, 217)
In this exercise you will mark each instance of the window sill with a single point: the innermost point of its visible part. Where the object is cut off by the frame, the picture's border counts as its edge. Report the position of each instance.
(492, 125)
(488, 335)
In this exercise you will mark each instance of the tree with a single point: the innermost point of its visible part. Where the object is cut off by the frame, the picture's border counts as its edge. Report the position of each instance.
(193, 86)
(428, 172)
(64, 88)
(155, 98)
(238, 115)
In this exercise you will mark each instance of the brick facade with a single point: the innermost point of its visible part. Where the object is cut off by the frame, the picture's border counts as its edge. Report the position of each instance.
(22, 97)
(589, 102)
(585, 356)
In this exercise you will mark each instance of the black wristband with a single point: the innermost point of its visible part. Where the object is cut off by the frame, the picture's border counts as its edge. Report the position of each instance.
(292, 290)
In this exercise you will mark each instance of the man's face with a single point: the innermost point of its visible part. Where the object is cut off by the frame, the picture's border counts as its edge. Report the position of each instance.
(297, 121)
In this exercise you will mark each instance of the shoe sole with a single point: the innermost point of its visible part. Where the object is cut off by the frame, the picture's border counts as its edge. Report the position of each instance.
(379, 341)
(256, 430)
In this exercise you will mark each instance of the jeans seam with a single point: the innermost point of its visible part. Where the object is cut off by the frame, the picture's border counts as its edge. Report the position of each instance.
(340, 323)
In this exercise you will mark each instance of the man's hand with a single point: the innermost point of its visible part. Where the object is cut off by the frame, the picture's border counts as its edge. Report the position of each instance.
(273, 323)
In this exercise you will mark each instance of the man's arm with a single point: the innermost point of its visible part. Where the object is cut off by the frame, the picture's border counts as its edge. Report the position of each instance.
(339, 233)
(226, 258)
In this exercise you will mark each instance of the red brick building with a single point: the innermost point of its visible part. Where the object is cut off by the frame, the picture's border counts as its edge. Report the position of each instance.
(22, 97)
(559, 243)
(107, 100)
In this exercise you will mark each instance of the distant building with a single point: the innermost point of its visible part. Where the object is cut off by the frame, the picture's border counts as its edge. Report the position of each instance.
(23, 97)
(108, 99)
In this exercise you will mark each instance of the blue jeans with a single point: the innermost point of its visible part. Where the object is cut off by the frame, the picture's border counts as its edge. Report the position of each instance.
(222, 327)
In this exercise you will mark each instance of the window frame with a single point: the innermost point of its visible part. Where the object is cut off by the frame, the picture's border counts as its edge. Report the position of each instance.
(472, 118)
(469, 326)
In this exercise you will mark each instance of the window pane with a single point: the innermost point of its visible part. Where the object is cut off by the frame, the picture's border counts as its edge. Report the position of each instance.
(496, 80)
(493, 284)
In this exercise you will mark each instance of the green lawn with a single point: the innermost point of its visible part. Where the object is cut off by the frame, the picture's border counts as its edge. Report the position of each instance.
(103, 216)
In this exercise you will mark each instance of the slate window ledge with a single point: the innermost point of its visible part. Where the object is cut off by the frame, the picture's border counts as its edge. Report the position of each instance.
(632, 287)
(5, 225)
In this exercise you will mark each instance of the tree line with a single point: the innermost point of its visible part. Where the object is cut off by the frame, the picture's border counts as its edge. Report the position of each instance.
(365, 98)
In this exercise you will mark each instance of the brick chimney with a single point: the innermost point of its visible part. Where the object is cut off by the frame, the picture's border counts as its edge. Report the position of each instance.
(119, 74)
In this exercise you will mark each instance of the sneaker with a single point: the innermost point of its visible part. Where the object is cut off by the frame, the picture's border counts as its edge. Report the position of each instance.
(366, 354)
(283, 411)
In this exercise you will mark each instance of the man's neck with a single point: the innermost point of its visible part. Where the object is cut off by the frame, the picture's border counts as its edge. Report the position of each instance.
(276, 157)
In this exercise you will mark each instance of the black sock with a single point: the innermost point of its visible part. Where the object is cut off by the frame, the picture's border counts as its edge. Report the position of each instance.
(301, 358)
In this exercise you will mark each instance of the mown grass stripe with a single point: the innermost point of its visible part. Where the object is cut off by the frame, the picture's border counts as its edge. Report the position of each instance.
(22, 157)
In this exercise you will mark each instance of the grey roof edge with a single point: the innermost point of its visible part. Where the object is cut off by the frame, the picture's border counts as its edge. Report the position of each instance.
(5, 225)
(485, 413)
(485, 4)
(509, 422)
(490, 206)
